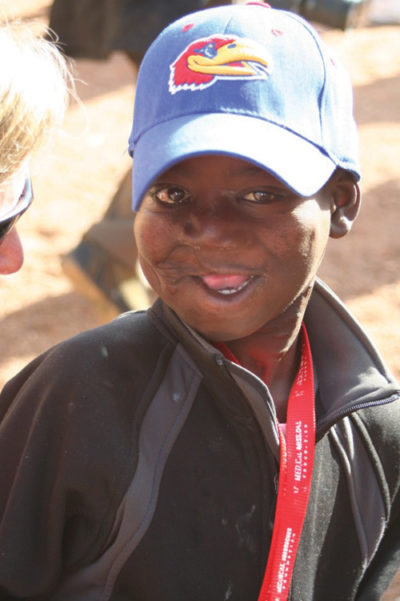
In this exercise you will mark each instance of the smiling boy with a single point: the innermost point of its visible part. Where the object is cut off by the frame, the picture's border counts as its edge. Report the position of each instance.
(239, 440)
(234, 252)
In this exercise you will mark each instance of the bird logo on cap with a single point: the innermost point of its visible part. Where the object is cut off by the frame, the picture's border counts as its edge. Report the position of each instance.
(207, 60)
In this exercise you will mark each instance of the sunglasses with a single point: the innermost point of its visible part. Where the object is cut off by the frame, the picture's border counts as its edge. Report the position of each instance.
(24, 202)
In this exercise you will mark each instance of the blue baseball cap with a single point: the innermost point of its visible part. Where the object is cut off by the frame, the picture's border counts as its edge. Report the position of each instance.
(248, 81)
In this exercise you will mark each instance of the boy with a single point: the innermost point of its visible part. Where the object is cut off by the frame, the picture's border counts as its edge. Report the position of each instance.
(174, 454)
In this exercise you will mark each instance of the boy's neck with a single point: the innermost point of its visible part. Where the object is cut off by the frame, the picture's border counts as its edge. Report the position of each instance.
(273, 354)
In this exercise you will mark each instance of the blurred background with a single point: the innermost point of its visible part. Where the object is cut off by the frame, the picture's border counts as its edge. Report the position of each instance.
(76, 174)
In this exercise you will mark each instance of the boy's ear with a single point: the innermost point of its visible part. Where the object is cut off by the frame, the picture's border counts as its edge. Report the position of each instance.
(345, 203)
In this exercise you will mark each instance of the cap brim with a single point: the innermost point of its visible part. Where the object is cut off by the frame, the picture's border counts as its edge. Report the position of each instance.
(302, 166)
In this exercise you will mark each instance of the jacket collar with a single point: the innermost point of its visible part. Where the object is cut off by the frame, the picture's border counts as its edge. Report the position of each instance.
(350, 371)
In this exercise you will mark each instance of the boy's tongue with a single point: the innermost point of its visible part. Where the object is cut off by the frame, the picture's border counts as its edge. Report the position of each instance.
(221, 281)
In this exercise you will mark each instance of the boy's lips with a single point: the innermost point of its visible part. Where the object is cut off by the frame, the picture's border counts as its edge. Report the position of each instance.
(226, 283)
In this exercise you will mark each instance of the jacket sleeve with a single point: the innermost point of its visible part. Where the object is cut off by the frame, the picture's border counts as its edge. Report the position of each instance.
(386, 560)
(57, 465)
(384, 565)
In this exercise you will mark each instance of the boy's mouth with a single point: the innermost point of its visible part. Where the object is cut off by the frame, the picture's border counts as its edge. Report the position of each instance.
(226, 284)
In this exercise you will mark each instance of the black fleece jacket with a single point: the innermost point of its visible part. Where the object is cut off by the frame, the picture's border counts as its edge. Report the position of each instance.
(138, 464)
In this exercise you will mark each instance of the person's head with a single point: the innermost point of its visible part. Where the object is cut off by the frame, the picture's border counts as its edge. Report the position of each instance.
(245, 162)
(33, 97)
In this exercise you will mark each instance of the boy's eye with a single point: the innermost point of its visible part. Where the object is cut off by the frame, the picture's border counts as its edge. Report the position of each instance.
(170, 195)
(264, 196)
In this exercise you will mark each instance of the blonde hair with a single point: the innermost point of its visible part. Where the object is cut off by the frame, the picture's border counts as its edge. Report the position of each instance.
(34, 81)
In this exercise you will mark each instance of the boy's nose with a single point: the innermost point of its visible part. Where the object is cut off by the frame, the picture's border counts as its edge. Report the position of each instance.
(11, 253)
(215, 223)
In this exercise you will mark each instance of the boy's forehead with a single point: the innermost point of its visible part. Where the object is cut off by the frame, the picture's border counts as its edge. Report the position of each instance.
(229, 165)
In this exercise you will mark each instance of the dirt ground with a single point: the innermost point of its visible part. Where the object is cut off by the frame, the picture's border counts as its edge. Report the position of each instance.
(76, 174)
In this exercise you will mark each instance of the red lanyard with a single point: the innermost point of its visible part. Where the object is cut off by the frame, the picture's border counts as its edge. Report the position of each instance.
(295, 475)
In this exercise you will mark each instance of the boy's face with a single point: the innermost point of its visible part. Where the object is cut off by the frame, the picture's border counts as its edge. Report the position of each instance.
(227, 246)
